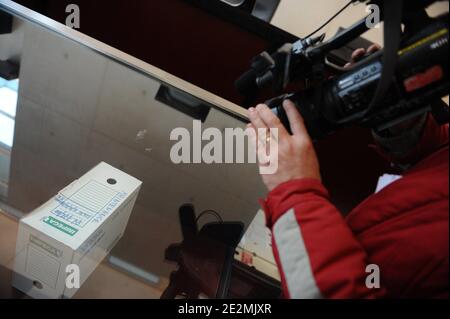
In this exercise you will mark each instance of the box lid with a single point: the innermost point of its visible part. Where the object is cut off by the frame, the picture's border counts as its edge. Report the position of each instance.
(78, 210)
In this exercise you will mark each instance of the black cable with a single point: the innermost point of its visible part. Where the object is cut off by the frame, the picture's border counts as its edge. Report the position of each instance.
(329, 20)
(210, 212)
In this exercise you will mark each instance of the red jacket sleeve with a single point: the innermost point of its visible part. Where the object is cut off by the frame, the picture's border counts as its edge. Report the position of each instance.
(316, 252)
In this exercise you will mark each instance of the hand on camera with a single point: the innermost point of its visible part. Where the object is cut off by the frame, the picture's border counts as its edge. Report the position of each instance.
(402, 127)
(358, 54)
(297, 158)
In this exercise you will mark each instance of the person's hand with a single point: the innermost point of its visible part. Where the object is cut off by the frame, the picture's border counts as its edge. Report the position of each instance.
(400, 128)
(358, 54)
(297, 158)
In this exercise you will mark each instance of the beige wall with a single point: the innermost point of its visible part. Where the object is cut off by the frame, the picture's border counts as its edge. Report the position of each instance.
(300, 17)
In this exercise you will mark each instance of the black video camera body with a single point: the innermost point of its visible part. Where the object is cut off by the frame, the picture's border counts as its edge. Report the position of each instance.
(414, 73)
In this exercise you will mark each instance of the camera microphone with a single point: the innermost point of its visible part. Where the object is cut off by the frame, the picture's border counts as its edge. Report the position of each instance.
(247, 83)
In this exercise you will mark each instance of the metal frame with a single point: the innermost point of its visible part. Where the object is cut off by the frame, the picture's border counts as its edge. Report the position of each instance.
(5, 23)
(265, 9)
(123, 58)
(233, 3)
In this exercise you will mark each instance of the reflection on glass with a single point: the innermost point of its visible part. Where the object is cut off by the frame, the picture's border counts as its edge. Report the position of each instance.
(77, 108)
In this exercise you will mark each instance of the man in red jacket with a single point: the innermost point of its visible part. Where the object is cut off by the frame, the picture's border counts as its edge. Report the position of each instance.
(402, 231)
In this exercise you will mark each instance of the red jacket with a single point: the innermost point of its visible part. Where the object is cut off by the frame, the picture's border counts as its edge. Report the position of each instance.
(403, 229)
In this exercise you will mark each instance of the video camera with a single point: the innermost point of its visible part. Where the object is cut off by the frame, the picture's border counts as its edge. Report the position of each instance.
(409, 77)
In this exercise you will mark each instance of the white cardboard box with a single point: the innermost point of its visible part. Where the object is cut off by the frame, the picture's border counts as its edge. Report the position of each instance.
(79, 226)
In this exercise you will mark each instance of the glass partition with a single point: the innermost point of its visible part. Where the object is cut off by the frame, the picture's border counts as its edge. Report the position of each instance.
(74, 104)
